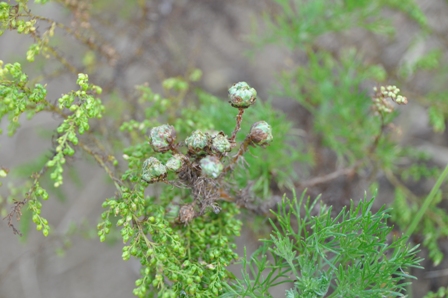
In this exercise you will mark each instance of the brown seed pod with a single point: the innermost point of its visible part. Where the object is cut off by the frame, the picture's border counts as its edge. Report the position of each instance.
(261, 133)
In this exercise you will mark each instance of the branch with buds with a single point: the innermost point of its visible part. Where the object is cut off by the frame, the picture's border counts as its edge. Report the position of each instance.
(205, 160)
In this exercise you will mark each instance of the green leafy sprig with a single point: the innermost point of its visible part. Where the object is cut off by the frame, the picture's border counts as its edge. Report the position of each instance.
(76, 107)
(348, 255)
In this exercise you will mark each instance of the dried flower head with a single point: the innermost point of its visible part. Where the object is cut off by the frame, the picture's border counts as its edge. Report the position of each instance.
(186, 213)
(220, 143)
(153, 170)
(197, 142)
(162, 137)
(211, 166)
(261, 133)
(241, 95)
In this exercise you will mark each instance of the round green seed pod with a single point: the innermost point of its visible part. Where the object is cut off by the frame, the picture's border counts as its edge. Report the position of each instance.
(176, 162)
(241, 95)
(153, 170)
(220, 143)
(197, 142)
(261, 133)
(211, 166)
(162, 137)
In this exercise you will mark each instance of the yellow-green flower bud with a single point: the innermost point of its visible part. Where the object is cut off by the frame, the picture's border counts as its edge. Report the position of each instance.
(241, 95)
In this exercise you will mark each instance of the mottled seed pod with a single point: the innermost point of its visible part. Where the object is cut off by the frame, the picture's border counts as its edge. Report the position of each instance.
(261, 133)
(162, 137)
(211, 166)
(186, 213)
(197, 142)
(241, 95)
(153, 170)
(176, 162)
(220, 143)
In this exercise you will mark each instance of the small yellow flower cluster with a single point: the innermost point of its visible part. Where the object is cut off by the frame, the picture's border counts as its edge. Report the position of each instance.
(384, 98)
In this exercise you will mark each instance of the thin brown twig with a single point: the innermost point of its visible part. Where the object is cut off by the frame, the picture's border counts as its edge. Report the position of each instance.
(86, 41)
(243, 148)
(349, 170)
(100, 161)
(54, 52)
(329, 177)
(16, 211)
(239, 118)
(17, 208)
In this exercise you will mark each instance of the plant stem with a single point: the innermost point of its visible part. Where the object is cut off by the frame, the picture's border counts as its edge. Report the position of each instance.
(243, 148)
(427, 203)
(239, 118)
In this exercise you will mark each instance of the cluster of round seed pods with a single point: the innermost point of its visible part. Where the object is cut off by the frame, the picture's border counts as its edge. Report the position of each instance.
(205, 148)
(205, 152)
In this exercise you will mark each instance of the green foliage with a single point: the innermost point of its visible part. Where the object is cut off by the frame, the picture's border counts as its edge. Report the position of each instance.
(430, 64)
(431, 237)
(84, 108)
(299, 23)
(171, 254)
(173, 259)
(314, 86)
(188, 109)
(428, 61)
(17, 97)
(20, 99)
(348, 255)
(20, 19)
(442, 292)
(331, 86)
(436, 118)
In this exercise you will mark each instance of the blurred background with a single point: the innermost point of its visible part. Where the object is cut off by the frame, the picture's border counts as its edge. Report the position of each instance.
(121, 44)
